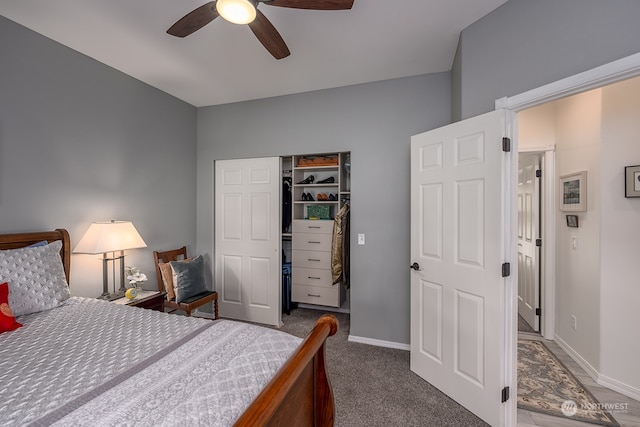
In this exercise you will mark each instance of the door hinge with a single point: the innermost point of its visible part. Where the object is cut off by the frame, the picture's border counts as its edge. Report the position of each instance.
(538, 242)
(538, 311)
(506, 269)
(506, 144)
(505, 394)
(538, 173)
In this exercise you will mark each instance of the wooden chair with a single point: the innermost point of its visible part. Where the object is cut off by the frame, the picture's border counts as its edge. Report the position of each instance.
(190, 303)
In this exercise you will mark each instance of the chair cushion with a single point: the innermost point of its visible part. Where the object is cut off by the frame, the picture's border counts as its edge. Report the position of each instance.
(188, 278)
(196, 297)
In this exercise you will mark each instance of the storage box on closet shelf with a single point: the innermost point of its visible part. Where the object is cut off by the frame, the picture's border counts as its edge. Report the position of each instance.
(318, 212)
(307, 161)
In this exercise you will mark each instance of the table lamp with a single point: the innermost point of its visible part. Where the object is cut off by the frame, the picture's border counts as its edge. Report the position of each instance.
(109, 237)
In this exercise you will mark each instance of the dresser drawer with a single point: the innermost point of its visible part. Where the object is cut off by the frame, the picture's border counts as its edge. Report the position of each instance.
(311, 277)
(316, 295)
(311, 259)
(311, 242)
(312, 226)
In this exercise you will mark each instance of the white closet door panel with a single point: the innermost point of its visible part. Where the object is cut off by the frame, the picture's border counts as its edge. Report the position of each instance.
(247, 239)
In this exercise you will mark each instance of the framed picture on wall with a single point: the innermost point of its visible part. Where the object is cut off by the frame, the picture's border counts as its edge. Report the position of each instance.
(632, 181)
(573, 192)
(572, 221)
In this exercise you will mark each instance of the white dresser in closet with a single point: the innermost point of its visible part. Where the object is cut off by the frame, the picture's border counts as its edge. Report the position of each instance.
(311, 261)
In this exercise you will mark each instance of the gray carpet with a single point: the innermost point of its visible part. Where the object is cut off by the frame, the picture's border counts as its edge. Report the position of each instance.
(373, 386)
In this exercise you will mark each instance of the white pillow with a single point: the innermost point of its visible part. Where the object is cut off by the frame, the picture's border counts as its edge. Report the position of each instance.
(35, 276)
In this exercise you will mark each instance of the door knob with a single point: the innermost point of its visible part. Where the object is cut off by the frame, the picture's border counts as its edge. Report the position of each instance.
(415, 266)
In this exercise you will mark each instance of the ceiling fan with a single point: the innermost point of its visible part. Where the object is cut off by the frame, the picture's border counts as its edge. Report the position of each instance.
(246, 12)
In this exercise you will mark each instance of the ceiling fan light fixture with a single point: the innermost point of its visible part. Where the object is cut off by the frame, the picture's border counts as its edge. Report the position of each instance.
(237, 11)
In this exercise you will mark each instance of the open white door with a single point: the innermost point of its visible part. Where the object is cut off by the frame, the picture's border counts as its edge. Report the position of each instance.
(248, 247)
(460, 198)
(528, 233)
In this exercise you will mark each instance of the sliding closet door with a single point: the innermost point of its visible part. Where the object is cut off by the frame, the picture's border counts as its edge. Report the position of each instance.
(247, 239)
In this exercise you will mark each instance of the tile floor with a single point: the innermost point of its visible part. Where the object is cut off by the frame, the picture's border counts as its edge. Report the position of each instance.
(630, 418)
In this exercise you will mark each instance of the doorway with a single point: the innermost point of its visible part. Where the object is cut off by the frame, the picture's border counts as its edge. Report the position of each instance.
(580, 84)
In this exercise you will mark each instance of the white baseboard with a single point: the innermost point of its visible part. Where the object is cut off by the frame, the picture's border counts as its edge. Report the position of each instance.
(620, 387)
(600, 379)
(590, 370)
(379, 343)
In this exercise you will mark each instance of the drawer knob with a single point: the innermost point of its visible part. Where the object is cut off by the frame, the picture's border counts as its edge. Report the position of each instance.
(311, 277)
(312, 259)
(312, 295)
(313, 226)
(313, 242)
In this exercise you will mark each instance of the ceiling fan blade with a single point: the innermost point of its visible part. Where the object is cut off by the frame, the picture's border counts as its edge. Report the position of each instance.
(269, 36)
(194, 20)
(312, 4)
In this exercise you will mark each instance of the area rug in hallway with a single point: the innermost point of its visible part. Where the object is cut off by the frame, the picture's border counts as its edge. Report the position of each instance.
(546, 385)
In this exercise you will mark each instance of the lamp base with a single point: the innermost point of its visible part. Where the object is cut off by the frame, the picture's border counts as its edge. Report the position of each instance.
(116, 295)
(111, 297)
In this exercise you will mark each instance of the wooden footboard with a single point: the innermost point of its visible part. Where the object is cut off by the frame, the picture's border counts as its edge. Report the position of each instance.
(300, 394)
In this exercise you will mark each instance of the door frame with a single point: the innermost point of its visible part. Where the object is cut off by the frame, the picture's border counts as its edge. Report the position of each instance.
(616, 71)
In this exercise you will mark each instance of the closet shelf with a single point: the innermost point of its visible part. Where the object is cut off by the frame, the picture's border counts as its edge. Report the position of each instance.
(315, 202)
(307, 168)
(335, 184)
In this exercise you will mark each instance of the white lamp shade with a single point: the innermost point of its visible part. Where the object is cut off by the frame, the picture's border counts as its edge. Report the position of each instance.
(109, 236)
(237, 11)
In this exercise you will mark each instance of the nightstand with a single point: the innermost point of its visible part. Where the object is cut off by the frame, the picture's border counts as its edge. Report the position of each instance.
(152, 300)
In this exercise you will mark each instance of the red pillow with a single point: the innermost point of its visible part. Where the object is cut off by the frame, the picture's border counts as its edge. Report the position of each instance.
(7, 321)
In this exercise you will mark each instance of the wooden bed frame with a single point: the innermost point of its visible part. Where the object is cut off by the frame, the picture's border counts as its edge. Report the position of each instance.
(299, 394)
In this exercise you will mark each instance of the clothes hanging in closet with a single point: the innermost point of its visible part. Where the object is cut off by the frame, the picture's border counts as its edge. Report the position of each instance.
(340, 246)
(286, 203)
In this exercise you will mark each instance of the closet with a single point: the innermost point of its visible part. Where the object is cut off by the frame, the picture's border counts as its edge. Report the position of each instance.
(320, 191)
(280, 210)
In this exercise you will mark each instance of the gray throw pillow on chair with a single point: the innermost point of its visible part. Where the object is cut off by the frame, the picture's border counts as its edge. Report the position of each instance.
(188, 278)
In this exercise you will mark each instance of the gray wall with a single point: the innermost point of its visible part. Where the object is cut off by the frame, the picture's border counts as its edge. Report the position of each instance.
(375, 122)
(80, 142)
(525, 44)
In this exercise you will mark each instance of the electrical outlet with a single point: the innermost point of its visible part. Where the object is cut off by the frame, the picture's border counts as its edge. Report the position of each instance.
(361, 239)
(574, 323)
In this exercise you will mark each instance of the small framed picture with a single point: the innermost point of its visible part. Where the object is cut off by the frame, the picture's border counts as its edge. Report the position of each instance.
(573, 192)
(572, 221)
(632, 181)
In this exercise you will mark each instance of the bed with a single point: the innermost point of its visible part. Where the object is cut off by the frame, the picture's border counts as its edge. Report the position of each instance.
(83, 361)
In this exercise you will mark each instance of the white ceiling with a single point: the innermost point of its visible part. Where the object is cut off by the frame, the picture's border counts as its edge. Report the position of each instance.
(223, 62)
